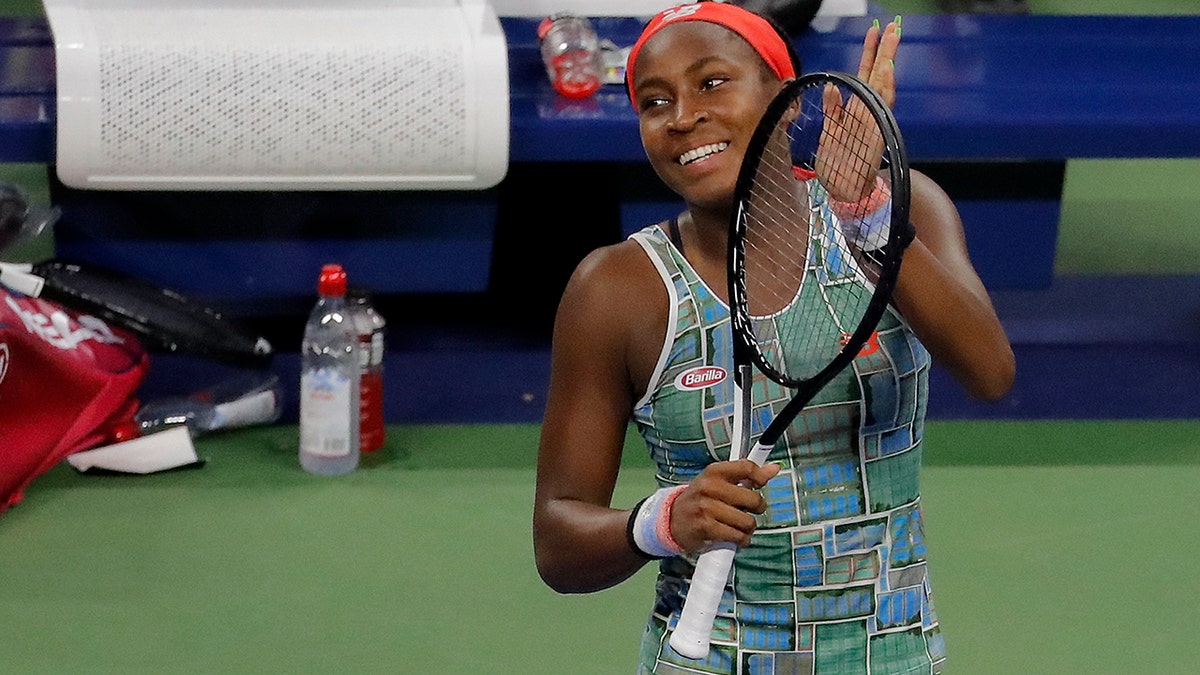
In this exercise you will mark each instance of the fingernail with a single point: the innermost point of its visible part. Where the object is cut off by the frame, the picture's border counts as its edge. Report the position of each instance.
(893, 63)
(898, 20)
(876, 24)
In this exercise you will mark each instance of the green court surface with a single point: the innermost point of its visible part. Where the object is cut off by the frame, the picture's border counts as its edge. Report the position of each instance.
(1055, 547)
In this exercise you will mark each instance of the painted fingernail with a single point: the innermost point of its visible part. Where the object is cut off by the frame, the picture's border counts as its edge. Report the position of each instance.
(876, 23)
(898, 20)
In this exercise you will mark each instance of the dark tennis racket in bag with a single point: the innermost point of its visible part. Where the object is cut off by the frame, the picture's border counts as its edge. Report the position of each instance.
(163, 319)
(821, 215)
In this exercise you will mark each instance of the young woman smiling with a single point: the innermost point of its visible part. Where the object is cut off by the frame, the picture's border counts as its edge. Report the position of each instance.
(815, 595)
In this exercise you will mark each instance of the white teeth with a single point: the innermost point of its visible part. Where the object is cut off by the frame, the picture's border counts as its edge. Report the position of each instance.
(701, 152)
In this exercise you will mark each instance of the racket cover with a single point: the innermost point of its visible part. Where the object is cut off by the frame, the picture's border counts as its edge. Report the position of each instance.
(163, 319)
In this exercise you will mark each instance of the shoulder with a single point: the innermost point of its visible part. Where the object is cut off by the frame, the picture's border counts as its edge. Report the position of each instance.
(610, 321)
(614, 295)
(614, 271)
(614, 286)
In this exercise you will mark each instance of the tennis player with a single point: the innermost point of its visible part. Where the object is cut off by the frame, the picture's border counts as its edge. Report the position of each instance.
(832, 575)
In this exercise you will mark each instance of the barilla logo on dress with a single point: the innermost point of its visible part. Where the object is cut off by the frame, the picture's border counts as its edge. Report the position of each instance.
(680, 12)
(700, 378)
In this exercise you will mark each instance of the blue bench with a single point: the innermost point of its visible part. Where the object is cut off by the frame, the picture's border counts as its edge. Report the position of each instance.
(971, 88)
(991, 106)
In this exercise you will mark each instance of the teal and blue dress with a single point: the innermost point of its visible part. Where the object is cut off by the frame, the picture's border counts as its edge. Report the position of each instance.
(835, 579)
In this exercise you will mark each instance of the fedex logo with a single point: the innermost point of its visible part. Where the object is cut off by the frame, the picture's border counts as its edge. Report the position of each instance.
(56, 328)
(700, 378)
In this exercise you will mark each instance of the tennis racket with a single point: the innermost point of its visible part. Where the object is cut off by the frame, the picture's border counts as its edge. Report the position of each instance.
(162, 318)
(821, 221)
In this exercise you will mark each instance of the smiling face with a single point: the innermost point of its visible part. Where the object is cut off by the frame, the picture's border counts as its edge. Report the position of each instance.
(701, 90)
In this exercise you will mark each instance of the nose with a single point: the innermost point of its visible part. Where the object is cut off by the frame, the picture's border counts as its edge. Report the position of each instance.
(688, 113)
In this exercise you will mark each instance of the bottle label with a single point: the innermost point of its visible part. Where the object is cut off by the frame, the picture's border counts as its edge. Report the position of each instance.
(371, 432)
(326, 413)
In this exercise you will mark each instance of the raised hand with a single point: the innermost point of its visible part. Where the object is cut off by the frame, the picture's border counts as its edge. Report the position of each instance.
(878, 64)
(850, 148)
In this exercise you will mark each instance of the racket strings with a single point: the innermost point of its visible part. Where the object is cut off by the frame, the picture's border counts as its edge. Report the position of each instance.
(806, 286)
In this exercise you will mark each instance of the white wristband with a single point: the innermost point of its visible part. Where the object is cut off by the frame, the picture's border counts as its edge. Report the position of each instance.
(650, 525)
(870, 232)
(866, 224)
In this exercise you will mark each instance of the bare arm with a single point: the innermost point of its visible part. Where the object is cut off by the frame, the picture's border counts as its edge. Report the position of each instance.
(944, 301)
(609, 328)
(579, 540)
(938, 291)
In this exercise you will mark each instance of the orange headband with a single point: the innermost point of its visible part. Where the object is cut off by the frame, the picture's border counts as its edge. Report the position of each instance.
(751, 27)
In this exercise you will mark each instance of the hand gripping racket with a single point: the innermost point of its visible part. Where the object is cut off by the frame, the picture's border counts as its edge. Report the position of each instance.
(820, 225)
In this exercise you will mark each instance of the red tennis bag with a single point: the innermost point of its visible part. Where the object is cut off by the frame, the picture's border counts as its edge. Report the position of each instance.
(67, 383)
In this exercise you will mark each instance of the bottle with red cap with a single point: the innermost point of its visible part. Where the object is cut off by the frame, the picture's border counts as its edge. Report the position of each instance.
(571, 54)
(329, 381)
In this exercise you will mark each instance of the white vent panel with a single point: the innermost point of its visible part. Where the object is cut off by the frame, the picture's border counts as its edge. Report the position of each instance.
(386, 96)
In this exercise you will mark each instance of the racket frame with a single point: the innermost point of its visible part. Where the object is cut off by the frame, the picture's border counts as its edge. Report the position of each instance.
(746, 348)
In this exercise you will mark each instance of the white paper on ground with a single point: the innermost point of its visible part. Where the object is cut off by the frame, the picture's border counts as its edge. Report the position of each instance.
(160, 451)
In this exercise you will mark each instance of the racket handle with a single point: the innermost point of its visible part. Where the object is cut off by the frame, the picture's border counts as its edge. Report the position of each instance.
(694, 630)
(760, 453)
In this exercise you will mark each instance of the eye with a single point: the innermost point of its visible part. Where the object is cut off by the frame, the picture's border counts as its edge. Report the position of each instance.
(712, 82)
(651, 102)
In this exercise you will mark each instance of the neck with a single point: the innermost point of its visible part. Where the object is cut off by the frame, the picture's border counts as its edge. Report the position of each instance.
(705, 231)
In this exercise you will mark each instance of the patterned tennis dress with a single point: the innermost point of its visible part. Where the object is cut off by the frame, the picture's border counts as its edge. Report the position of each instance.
(835, 579)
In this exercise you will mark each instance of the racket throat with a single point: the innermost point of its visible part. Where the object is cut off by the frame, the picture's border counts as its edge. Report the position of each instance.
(742, 405)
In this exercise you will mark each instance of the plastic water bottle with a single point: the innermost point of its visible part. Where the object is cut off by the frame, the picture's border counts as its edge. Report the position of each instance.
(370, 325)
(329, 381)
(240, 401)
(571, 53)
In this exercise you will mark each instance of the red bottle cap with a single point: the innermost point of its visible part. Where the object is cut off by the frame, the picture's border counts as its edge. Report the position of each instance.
(545, 24)
(544, 27)
(332, 282)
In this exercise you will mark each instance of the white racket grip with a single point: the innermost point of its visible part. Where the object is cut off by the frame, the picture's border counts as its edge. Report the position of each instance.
(694, 629)
(759, 454)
